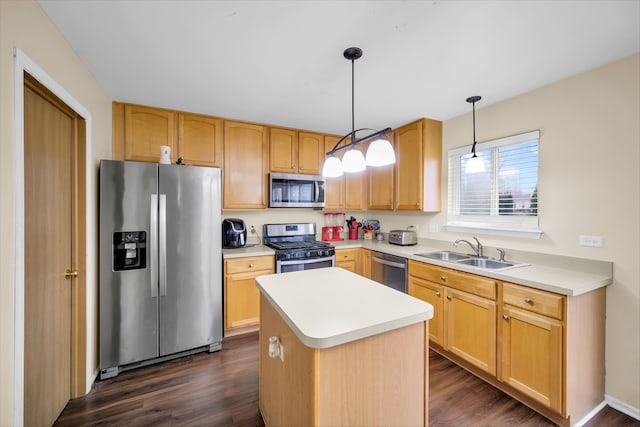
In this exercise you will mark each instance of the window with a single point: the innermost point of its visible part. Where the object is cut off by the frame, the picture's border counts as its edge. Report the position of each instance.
(504, 198)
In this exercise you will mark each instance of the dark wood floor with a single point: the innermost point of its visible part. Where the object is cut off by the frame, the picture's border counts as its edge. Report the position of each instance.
(221, 389)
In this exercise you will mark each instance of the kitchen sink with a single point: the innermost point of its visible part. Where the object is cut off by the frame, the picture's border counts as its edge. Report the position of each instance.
(490, 264)
(444, 256)
(471, 260)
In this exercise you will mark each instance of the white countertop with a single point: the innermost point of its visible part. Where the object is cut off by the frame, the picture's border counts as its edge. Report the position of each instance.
(331, 306)
(554, 273)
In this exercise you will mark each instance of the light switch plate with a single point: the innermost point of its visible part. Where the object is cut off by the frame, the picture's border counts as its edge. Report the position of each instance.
(591, 241)
(433, 227)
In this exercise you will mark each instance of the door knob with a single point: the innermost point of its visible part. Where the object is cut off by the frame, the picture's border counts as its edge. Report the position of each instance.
(69, 274)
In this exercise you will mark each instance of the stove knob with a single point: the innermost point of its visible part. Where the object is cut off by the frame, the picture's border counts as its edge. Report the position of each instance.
(308, 253)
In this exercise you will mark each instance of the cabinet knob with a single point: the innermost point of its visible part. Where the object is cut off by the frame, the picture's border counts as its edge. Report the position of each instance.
(250, 265)
(438, 294)
(417, 204)
(528, 300)
(449, 297)
(443, 278)
(505, 317)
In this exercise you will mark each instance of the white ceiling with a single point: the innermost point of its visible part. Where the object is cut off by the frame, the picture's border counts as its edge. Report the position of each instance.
(281, 63)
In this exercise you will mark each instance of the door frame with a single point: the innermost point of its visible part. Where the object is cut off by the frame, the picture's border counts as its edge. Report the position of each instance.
(82, 335)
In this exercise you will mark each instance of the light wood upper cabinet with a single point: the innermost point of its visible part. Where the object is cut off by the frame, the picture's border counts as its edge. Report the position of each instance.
(334, 188)
(295, 152)
(310, 153)
(418, 166)
(283, 151)
(246, 166)
(347, 192)
(145, 130)
(200, 140)
(381, 186)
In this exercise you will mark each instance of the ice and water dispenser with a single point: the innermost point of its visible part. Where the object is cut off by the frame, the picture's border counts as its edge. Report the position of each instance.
(129, 250)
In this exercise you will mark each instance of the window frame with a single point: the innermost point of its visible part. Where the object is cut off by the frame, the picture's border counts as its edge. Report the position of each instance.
(526, 226)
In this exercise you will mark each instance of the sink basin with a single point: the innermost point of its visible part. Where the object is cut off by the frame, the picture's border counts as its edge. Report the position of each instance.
(489, 264)
(444, 256)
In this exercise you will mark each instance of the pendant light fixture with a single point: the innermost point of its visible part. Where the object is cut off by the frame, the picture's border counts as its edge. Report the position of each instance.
(475, 164)
(380, 152)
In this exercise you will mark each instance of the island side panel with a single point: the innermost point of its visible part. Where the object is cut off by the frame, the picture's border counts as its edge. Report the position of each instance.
(381, 380)
(286, 388)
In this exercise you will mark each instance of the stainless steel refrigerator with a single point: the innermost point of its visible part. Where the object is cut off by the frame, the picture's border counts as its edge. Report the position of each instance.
(160, 263)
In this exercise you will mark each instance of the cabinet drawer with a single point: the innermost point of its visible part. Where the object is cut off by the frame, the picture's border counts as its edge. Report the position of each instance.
(346, 255)
(541, 302)
(477, 285)
(243, 265)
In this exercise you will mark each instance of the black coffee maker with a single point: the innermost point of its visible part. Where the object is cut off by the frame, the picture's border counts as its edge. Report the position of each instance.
(234, 233)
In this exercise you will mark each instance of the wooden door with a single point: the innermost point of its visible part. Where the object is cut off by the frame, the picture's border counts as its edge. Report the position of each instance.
(199, 140)
(531, 356)
(283, 150)
(380, 188)
(310, 153)
(409, 167)
(146, 129)
(50, 144)
(434, 295)
(470, 327)
(246, 165)
(334, 188)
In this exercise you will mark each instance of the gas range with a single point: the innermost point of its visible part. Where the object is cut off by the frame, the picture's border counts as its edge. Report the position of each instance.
(296, 242)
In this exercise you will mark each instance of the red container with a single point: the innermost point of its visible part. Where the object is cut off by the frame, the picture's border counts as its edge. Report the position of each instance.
(353, 234)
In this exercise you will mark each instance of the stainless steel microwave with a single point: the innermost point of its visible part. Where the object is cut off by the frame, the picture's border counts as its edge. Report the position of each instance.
(295, 191)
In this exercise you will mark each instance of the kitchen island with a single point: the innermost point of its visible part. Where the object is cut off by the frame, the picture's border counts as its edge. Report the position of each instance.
(344, 351)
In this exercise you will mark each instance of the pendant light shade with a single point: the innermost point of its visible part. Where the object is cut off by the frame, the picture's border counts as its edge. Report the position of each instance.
(475, 164)
(353, 161)
(380, 152)
(332, 167)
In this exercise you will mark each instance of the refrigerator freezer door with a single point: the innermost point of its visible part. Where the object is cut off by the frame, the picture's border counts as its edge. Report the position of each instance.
(128, 309)
(191, 299)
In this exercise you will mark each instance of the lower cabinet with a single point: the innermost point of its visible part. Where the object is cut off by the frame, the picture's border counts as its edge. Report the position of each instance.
(349, 259)
(464, 321)
(366, 263)
(543, 348)
(241, 295)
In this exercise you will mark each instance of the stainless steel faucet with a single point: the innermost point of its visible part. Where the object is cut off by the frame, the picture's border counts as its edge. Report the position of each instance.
(477, 249)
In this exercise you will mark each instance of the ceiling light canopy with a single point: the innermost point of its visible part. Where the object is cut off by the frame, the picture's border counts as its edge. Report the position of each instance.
(475, 164)
(380, 151)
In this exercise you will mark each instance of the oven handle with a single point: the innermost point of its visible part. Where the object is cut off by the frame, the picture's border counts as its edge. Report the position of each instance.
(306, 261)
(389, 263)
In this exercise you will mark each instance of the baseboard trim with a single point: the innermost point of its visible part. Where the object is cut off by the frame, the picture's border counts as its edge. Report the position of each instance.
(591, 414)
(625, 408)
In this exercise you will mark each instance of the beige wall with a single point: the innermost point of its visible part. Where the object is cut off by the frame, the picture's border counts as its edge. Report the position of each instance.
(24, 25)
(589, 184)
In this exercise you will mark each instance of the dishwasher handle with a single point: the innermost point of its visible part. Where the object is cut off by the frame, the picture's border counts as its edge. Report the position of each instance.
(389, 263)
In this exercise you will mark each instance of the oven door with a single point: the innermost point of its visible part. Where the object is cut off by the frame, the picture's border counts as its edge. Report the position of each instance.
(284, 266)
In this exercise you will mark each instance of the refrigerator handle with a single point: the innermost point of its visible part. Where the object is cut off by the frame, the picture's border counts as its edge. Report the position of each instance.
(153, 244)
(162, 234)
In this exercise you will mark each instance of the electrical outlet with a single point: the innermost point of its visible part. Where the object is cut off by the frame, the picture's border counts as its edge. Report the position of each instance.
(253, 230)
(433, 227)
(591, 241)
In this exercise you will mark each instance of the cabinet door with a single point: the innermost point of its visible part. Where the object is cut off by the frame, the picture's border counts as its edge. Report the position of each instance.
(246, 165)
(200, 140)
(355, 185)
(334, 188)
(470, 327)
(242, 300)
(283, 149)
(348, 259)
(366, 263)
(531, 356)
(146, 129)
(408, 170)
(380, 186)
(434, 295)
(310, 153)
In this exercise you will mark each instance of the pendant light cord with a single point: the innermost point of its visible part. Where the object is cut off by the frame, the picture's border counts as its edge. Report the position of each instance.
(353, 109)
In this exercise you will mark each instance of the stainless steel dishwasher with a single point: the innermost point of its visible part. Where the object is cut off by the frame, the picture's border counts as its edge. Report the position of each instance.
(389, 270)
